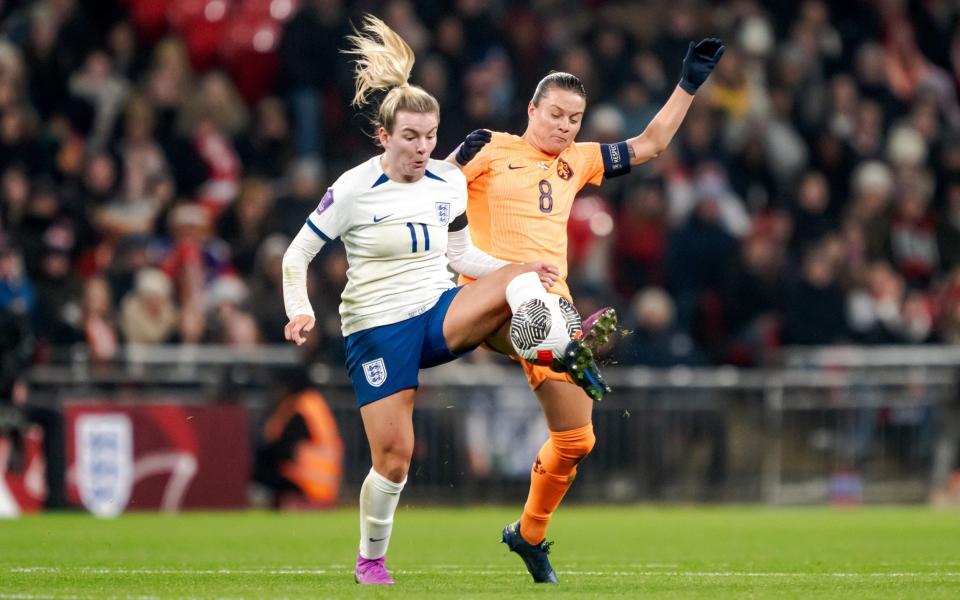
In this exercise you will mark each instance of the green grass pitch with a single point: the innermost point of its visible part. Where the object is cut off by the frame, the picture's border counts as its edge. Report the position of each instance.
(687, 552)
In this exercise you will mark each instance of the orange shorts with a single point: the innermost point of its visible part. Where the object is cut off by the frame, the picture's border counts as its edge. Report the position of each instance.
(537, 374)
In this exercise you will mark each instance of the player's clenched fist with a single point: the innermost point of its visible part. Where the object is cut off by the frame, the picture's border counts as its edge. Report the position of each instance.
(699, 63)
(297, 328)
(472, 144)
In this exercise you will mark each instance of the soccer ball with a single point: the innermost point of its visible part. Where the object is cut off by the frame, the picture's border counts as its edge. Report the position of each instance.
(542, 328)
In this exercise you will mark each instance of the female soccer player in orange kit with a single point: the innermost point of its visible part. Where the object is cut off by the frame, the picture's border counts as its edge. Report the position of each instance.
(521, 190)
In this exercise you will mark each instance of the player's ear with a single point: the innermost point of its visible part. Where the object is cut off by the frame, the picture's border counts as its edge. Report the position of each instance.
(382, 136)
(531, 108)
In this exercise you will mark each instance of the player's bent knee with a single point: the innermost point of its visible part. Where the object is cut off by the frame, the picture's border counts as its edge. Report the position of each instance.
(394, 470)
(393, 463)
(585, 445)
(574, 444)
(396, 473)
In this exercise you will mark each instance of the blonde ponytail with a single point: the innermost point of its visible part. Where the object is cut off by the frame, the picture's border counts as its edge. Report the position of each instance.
(384, 62)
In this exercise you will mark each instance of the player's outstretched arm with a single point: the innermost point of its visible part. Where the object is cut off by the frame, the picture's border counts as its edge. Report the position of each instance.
(296, 301)
(467, 259)
(699, 62)
(471, 144)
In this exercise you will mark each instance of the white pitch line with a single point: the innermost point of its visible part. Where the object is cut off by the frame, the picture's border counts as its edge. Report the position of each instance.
(161, 571)
(6, 596)
(37, 597)
(460, 570)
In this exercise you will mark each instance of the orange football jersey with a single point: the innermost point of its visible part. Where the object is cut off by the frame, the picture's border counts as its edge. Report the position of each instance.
(520, 199)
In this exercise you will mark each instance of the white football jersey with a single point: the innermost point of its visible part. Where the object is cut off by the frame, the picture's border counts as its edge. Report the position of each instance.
(395, 235)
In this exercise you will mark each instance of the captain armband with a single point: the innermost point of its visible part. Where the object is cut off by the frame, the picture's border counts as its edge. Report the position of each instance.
(459, 223)
(616, 159)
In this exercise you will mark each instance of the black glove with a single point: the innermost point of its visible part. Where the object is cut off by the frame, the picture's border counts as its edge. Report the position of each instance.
(699, 63)
(472, 144)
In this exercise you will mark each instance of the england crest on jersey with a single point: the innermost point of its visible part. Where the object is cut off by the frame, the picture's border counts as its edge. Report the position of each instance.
(443, 212)
(375, 372)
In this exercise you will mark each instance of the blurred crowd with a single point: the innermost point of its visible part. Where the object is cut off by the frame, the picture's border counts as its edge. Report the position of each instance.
(157, 157)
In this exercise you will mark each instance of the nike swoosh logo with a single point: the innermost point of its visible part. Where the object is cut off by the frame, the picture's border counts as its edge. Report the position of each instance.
(511, 167)
(376, 220)
(377, 539)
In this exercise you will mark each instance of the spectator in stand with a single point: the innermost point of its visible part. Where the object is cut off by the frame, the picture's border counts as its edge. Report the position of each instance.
(814, 308)
(874, 312)
(123, 47)
(917, 315)
(654, 339)
(641, 237)
(130, 255)
(104, 90)
(127, 196)
(46, 73)
(18, 143)
(266, 287)
(910, 73)
(948, 227)
(326, 341)
(210, 119)
(14, 195)
(753, 293)
(872, 78)
(872, 185)
(811, 211)
(193, 257)
(310, 39)
(144, 172)
(949, 313)
(266, 149)
(247, 222)
(17, 294)
(98, 321)
(304, 191)
(229, 320)
(42, 212)
(148, 314)
(912, 241)
(697, 255)
(59, 290)
(168, 85)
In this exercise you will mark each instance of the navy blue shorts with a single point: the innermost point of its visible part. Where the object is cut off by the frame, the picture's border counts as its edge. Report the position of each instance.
(384, 360)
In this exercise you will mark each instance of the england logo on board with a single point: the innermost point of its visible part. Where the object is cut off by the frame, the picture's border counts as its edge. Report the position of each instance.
(104, 446)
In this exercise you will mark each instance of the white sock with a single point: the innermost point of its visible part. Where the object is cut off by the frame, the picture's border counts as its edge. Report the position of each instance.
(378, 501)
(522, 288)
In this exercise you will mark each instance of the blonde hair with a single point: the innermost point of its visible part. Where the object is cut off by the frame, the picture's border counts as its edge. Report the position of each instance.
(384, 63)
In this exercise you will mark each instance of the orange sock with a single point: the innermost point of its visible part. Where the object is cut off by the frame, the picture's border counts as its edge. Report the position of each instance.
(553, 471)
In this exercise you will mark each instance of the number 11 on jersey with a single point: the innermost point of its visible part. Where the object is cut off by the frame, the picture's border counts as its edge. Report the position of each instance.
(413, 236)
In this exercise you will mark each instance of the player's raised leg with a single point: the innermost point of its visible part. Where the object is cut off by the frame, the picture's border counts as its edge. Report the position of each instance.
(388, 423)
(482, 307)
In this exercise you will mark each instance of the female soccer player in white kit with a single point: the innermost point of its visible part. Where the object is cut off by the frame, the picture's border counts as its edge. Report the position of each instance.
(401, 216)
